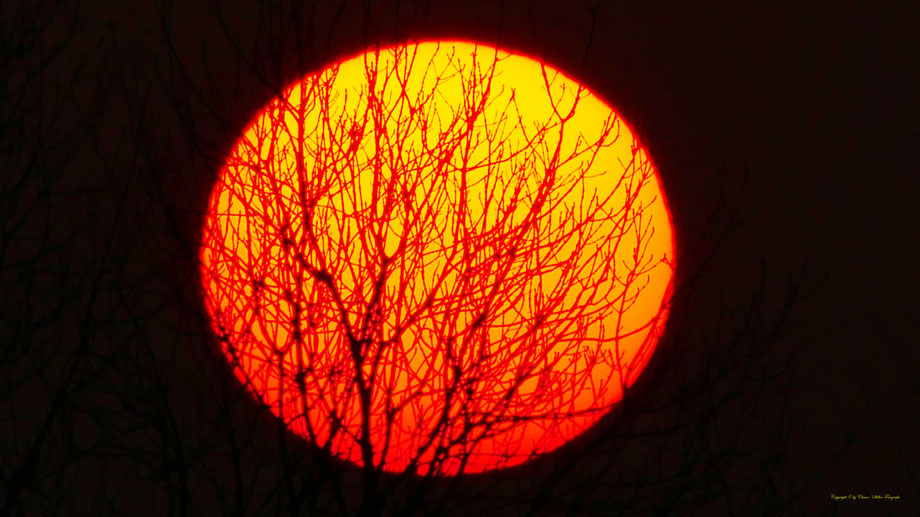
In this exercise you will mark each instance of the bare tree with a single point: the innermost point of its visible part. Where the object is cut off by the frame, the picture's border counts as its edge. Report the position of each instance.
(311, 252)
(420, 286)
(140, 414)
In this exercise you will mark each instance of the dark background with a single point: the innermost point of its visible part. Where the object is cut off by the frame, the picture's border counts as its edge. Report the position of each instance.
(787, 141)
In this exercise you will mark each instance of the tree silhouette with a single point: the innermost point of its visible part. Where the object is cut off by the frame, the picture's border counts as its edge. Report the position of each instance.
(424, 270)
(116, 393)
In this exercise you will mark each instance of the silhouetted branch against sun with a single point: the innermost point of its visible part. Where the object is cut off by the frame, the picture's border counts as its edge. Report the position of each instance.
(437, 258)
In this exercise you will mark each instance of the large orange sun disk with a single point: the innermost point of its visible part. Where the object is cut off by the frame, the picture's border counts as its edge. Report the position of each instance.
(440, 257)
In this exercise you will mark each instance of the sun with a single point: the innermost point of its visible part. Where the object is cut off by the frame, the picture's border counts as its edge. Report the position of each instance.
(437, 257)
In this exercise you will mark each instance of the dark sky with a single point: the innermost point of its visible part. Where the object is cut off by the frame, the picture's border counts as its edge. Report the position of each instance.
(787, 142)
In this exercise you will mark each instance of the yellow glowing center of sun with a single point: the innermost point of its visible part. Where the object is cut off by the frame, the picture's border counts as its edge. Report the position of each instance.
(440, 257)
